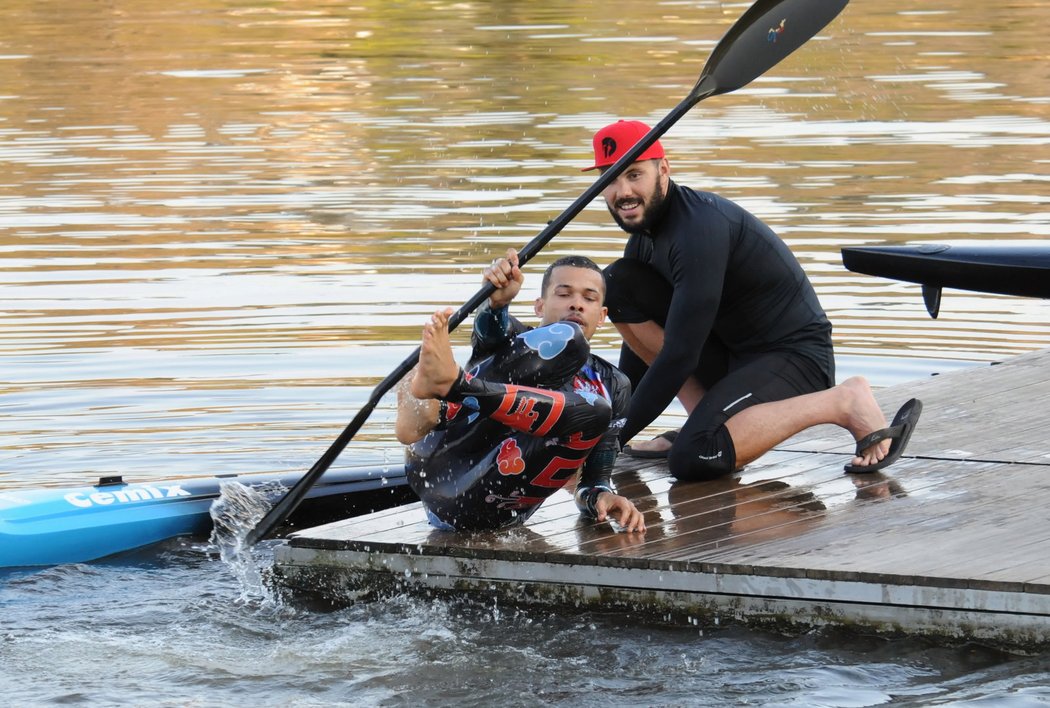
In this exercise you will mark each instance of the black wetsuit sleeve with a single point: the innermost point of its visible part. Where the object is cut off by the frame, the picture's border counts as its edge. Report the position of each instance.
(596, 476)
(492, 329)
(698, 264)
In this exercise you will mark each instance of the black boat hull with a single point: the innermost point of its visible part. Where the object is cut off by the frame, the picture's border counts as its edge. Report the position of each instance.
(1005, 270)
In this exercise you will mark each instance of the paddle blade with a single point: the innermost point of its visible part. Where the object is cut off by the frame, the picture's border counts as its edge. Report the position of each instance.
(765, 34)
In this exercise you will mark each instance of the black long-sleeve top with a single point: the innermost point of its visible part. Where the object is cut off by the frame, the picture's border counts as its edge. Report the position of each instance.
(731, 276)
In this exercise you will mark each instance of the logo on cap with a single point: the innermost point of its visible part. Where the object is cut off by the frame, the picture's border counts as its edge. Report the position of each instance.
(608, 147)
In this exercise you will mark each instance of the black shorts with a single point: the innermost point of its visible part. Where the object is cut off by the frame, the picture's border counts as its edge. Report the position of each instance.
(732, 381)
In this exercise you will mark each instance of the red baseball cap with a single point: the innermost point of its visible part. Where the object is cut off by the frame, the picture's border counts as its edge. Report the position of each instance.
(612, 141)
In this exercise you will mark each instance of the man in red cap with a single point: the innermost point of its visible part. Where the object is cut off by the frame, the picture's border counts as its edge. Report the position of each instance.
(714, 309)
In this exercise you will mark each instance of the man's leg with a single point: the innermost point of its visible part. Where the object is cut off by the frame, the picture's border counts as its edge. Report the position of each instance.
(548, 356)
(437, 369)
(850, 405)
(418, 416)
(763, 403)
(415, 417)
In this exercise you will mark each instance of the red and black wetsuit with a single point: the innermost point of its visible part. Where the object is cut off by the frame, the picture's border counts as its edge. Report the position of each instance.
(738, 313)
(528, 410)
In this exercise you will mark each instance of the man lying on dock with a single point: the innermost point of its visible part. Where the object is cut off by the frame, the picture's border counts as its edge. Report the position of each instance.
(488, 443)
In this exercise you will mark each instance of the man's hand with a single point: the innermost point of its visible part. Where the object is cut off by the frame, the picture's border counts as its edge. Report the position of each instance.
(507, 277)
(621, 509)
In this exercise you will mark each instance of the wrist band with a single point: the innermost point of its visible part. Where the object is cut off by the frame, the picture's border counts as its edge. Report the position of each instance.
(592, 497)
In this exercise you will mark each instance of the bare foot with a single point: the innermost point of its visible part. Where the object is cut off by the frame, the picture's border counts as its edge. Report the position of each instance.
(864, 417)
(657, 444)
(437, 369)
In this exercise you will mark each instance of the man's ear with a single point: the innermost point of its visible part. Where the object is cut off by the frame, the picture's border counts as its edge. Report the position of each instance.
(605, 313)
(537, 307)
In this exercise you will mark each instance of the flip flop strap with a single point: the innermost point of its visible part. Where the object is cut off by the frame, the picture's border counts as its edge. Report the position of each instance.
(894, 431)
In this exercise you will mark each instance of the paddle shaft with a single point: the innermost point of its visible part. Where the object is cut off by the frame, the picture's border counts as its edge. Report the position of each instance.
(733, 63)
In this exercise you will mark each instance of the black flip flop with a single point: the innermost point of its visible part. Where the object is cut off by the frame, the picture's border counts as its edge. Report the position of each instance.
(899, 432)
(669, 436)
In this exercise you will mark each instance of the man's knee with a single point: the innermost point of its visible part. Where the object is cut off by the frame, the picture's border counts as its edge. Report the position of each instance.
(545, 357)
(597, 419)
(636, 292)
(707, 456)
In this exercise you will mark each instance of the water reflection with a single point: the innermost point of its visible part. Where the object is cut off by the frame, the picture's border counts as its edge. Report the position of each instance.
(694, 520)
(877, 487)
(684, 520)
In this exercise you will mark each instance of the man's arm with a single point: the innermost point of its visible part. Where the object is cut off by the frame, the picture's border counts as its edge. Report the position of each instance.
(492, 328)
(595, 495)
(493, 325)
(601, 502)
(694, 306)
(507, 278)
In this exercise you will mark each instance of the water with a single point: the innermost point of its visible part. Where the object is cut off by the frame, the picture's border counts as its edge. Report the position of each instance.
(234, 515)
(164, 629)
(222, 222)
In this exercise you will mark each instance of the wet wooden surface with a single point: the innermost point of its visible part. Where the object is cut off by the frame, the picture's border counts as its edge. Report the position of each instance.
(964, 510)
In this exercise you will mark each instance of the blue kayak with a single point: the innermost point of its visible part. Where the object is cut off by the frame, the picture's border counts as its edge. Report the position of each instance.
(76, 524)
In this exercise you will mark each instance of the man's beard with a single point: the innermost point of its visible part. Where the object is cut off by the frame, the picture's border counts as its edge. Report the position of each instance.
(652, 211)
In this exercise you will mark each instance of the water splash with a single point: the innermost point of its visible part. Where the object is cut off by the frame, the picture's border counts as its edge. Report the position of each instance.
(234, 514)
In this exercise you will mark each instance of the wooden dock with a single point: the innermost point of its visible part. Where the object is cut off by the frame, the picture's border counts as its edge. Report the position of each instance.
(951, 542)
